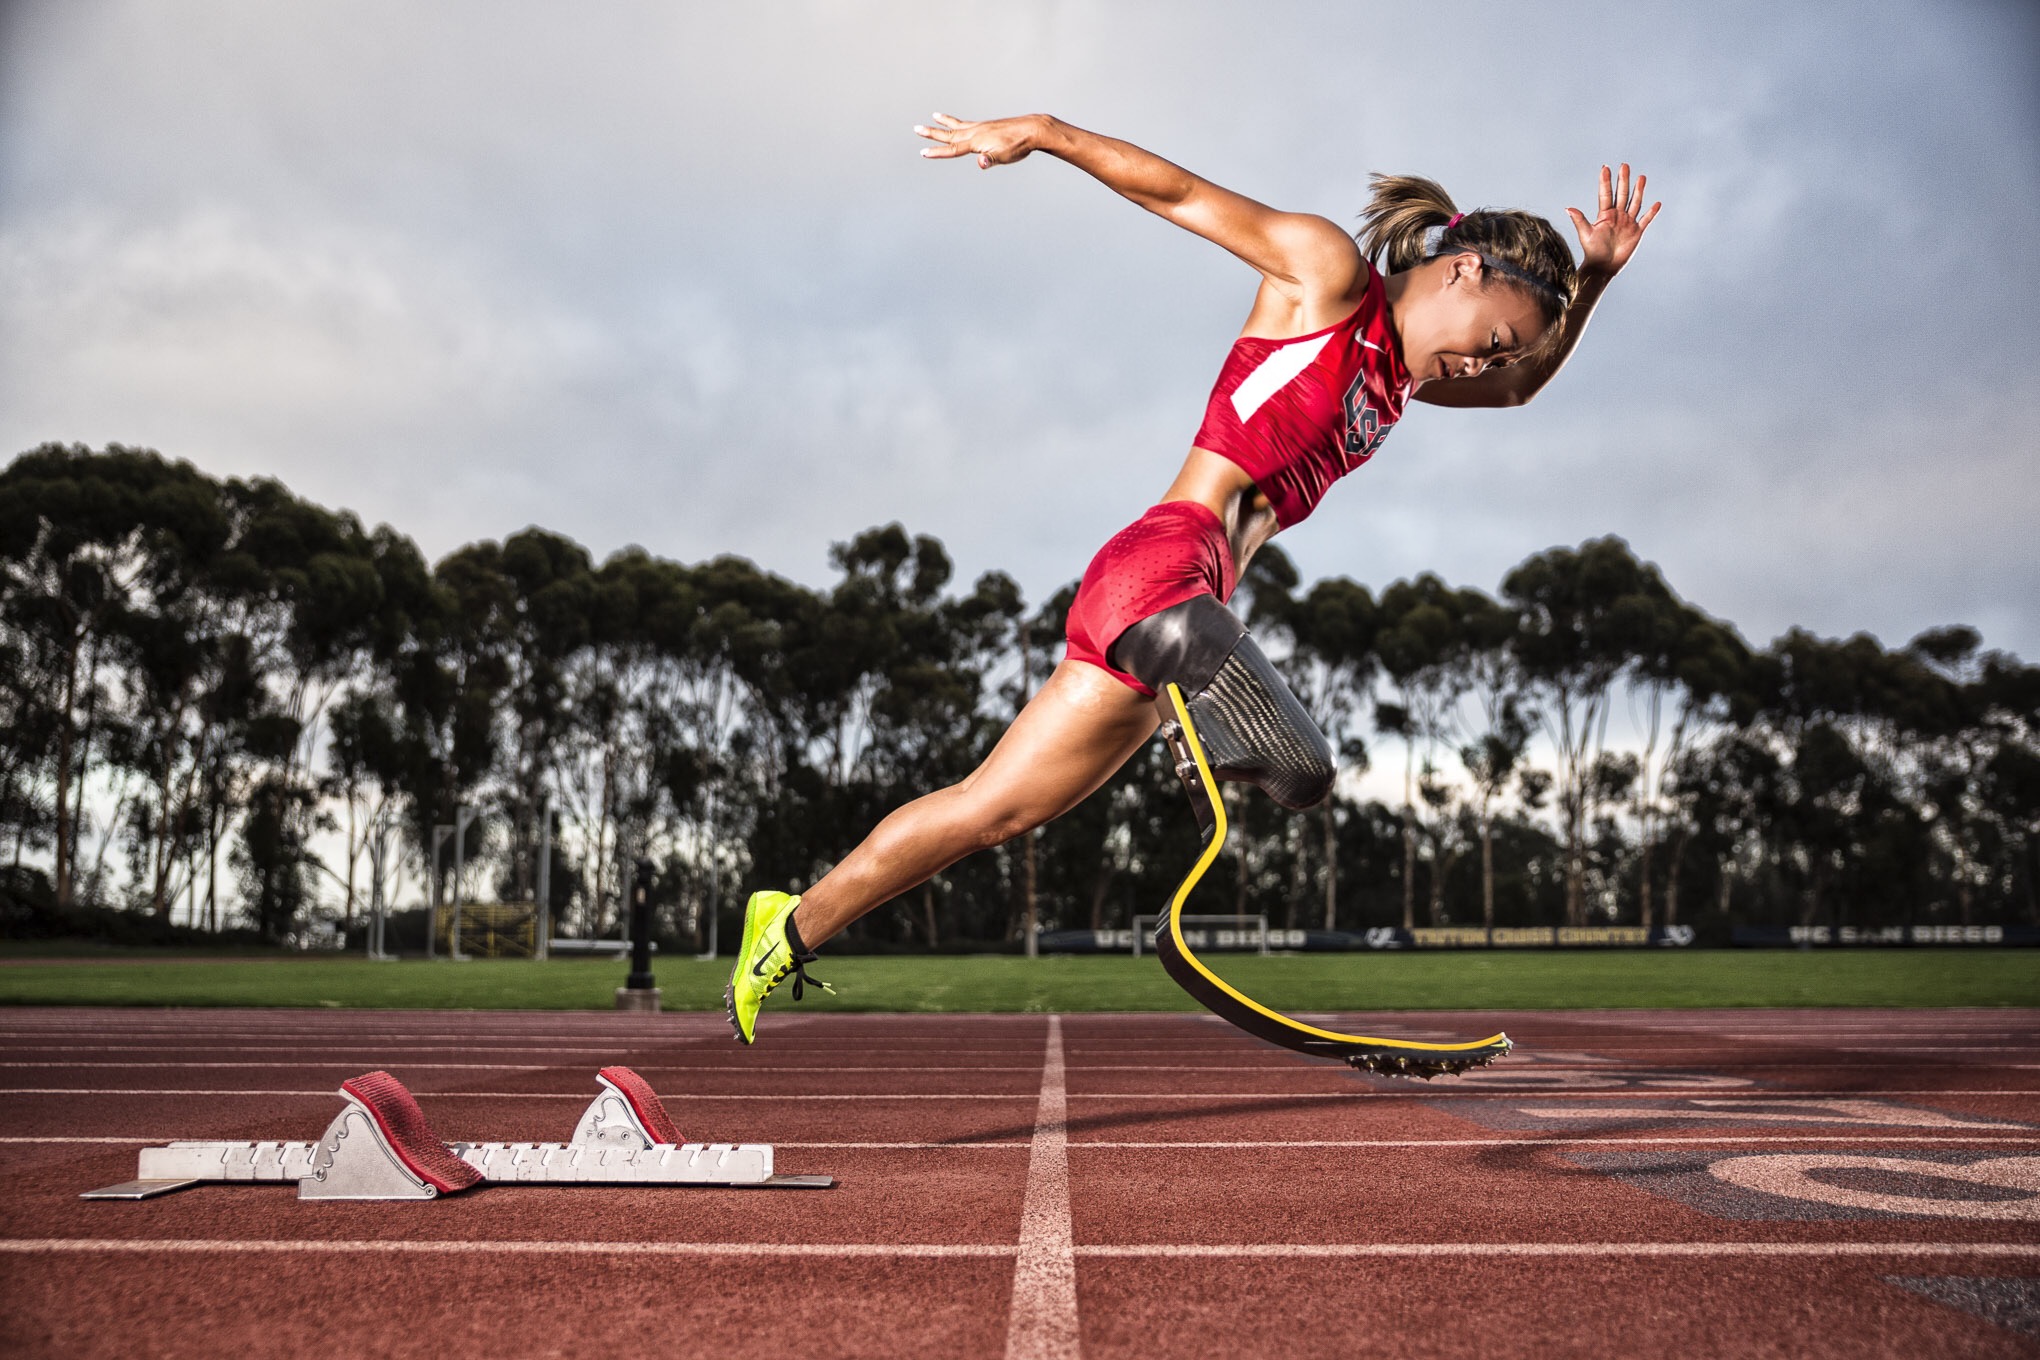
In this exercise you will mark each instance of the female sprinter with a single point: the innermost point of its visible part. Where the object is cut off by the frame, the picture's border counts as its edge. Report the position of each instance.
(1479, 308)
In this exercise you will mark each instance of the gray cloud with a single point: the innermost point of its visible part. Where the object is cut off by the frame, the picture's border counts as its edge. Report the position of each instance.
(673, 275)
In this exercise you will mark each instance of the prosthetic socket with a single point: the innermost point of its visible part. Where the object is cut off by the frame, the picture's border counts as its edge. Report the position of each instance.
(1253, 729)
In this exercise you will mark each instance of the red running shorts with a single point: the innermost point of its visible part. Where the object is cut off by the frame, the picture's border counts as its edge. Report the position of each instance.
(1175, 552)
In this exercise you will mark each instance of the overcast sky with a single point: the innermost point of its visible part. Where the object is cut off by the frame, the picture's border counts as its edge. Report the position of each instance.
(672, 274)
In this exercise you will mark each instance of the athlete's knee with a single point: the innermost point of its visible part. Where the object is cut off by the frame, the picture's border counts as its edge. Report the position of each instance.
(998, 826)
(985, 818)
(1251, 726)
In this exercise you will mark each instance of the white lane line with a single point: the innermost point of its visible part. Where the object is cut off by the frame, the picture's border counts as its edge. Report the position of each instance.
(1485, 1093)
(1043, 1322)
(1589, 1140)
(915, 1147)
(298, 1056)
(506, 1095)
(300, 1051)
(940, 1250)
(2014, 1250)
(1853, 1139)
(1531, 1093)
(298, 1061)
(39, 1246)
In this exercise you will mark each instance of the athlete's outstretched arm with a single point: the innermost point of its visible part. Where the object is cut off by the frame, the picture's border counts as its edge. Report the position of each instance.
(1606, 243)
(1297, 252)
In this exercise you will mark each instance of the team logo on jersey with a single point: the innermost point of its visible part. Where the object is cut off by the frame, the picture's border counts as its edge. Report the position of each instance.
(1364, 428)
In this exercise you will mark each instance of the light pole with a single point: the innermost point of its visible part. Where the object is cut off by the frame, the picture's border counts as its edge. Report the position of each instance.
(640, 991)
(714, 886)
(378, 853)
(462, 815)
(545, 877)
(440, 832)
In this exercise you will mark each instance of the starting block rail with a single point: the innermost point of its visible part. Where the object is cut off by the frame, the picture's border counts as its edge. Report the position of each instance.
(380, 1147)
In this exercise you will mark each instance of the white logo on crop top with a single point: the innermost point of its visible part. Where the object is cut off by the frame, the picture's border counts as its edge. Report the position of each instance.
(1274, 373)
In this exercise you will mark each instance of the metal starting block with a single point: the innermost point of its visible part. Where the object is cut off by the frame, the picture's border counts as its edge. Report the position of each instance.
(380, 1147)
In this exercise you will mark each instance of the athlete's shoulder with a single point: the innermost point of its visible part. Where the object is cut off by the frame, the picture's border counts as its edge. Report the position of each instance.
(1323, 260)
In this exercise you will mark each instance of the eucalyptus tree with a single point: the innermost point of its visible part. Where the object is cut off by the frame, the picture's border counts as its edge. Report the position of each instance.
(942, 709)
(281, 611)
(1693, 663)
(446, 689)
(1848, 716)
(1974, 746)
(88, 541)
(28, 749)
(546, 623)
(1583, 613)
(741, 647)
(1493, 754)
(623, 695)
(1092, 854)
(2009, 787)
(1331, 666)
(1422, 646)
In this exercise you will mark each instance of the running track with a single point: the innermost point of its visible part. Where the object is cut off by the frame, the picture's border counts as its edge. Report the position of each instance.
(1739, 1183)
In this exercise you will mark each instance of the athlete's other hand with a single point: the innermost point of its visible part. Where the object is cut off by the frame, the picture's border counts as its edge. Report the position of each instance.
(1607, 242)
(998, 142)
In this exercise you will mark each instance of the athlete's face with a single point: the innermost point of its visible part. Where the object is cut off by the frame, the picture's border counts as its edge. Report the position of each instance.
(1458, 322)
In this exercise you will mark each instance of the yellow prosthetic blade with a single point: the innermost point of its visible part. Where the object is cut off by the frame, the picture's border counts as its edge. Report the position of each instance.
(1397, 1057)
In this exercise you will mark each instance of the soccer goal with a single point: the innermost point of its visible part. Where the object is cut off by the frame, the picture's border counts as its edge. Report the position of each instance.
(1235, 931)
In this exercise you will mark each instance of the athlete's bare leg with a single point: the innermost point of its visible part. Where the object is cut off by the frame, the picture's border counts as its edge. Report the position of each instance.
(1074, 733)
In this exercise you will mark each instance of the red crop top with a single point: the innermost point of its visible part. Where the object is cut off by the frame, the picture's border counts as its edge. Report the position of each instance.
(1297, 415)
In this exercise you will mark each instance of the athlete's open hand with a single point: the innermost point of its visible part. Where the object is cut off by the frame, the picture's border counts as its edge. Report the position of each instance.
(1607, 242)
(998, 142)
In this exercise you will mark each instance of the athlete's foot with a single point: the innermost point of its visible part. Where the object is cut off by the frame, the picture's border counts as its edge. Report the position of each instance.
(771, 950)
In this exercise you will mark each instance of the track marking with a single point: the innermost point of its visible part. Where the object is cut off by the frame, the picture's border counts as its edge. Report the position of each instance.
(2016, 1250)
(1436, 1093)
(1853, 1139)
(493, 1095)
(1881, 1114)
(1043, 1322)
(298, 1062)
(1788, 1176)
(286, 1053)
(940, 1250)
(38, 1246)
(1697, 1140)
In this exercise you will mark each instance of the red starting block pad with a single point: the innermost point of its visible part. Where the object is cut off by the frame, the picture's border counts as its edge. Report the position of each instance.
(380, 1146)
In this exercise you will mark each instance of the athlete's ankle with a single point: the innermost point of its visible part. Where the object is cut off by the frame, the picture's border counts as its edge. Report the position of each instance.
(794, 943)
(796, 937)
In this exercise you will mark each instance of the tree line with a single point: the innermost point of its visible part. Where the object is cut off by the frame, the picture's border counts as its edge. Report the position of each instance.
(212, 691)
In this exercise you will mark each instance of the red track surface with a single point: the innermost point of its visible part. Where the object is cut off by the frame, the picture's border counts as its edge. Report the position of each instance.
(1841, 1183)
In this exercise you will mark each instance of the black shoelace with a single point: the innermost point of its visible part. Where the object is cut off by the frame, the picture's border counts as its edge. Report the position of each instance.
(800, 977)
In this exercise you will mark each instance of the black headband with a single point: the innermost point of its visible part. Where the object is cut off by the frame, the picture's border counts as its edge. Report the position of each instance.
(1434, 247)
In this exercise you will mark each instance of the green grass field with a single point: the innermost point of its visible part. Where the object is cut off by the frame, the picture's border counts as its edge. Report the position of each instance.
(1307, 982)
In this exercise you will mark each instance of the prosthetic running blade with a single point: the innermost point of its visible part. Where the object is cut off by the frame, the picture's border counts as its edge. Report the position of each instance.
(1395, 1057)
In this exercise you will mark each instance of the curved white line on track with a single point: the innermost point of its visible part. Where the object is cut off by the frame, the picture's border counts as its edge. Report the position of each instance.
(1042, 1323)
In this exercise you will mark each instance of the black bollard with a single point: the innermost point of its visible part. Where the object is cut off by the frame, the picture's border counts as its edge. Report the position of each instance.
(640, 991)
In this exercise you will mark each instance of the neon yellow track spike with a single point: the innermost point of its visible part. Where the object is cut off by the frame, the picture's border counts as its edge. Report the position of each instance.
(1396, 1057)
